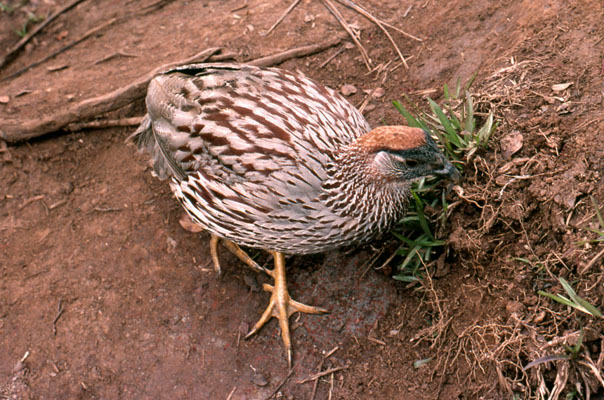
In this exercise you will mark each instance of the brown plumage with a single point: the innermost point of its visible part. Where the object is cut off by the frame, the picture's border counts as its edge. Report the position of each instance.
(270, 159)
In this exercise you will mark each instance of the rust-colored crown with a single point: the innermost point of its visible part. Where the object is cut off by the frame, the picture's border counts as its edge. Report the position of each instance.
(392, 138)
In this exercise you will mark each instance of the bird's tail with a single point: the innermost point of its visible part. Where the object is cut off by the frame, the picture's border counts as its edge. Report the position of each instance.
(163, 163)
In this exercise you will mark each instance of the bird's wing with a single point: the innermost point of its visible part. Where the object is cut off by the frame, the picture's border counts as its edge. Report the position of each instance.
(246, 124)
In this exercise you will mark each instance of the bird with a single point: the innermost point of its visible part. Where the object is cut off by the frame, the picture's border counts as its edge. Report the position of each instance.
(270, 159)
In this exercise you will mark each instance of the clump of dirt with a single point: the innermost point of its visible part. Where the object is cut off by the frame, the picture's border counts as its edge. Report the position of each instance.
(110, 297)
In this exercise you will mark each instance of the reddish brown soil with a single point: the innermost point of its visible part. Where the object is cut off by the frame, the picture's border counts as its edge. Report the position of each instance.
(84, 225)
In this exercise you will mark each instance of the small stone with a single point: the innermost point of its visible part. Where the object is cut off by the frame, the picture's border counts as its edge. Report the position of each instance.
(259, 379)
(188, 225)
(4, 99)
(561, 86)
(348, 90)
(510, 144)
(378, 93)
(61, 35)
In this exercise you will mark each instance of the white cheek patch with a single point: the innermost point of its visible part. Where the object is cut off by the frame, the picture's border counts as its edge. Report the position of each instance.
(385, 163)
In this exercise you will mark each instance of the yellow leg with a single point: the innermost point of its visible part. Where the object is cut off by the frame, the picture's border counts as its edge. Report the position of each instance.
(214, 253)
(236, 250)
(281, 306)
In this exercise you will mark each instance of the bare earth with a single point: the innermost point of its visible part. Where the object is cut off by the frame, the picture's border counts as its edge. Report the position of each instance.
(85, 228)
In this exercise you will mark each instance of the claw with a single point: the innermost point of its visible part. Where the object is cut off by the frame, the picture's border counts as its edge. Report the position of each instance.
(281, 306)
(236, 250)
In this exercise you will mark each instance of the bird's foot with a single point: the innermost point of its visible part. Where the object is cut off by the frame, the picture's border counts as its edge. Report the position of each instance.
(282, 306)
(236, 250)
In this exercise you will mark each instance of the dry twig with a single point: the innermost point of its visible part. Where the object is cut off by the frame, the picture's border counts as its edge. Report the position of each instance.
(334, 11)
(12, 53)
(56, 53)
(112, 56)
(321, 374)
(280, 385)
(59, 313)
(230, 396)
(289, 9)
(295, 53)
(357, 8)
(376, 21)
(316, 381)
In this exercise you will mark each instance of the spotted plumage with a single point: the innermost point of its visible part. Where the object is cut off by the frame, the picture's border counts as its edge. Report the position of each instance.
(271, 159)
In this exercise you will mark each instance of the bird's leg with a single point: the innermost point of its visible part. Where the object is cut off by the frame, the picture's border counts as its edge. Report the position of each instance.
(214, 253)
(281, 306)
(236, 250)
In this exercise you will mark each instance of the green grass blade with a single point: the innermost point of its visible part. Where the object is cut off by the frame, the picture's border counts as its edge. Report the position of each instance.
(420, 215)
(470, 81)
(412, 253)
(587, 307)
(559, 298)
(453, 119)
(405, 278)
(470, 121)
(458, 87)
(444, 122)
(411, 120)
(484, 133)
(598, 214)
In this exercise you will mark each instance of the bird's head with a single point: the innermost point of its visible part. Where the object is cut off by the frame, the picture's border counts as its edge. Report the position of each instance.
(405, 154)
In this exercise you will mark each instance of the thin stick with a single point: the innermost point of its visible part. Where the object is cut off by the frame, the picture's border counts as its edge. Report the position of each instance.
(231, 394)
(108, 123)
(321, 374)
(592, 262)
(294, 53)
(280, 385)
(289, 9)
(330, 387)
(399, 30)
(238, 8)
(112, 56)
(12, 53)
(332, 9)
(56, 53)
(376, 21)
(59, 313)
(334, 55)
(316, 381)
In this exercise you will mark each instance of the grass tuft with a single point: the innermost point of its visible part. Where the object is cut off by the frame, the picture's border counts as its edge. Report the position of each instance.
(573, 301)
(31, 18)
(455, 127)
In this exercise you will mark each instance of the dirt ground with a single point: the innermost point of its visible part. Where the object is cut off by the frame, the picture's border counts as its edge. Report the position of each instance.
(104, 295)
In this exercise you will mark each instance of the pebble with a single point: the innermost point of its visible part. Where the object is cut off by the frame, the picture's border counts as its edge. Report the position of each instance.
(348, 90)
(378, 93)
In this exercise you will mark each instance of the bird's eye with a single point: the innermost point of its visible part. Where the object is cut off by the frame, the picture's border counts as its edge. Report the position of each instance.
(411, 163)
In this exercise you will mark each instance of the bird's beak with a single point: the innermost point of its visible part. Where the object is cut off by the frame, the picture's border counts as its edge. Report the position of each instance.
(448, 171)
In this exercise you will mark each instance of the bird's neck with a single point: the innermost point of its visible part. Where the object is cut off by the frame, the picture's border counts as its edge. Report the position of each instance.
(355, 190)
